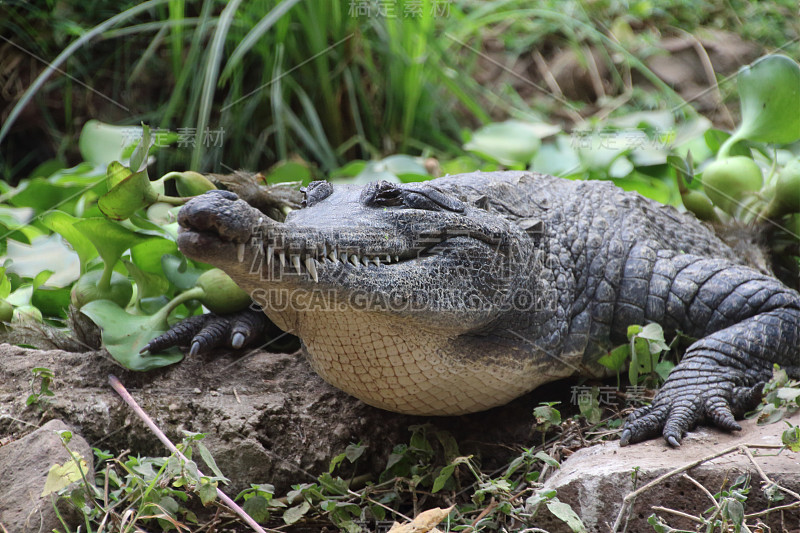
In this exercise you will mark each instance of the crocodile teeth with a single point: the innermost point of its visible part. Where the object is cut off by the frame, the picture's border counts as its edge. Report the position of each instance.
(388, 258)
(296, 263)
(377, 261)
(365, 261)
(354, 260)
(311, 266)
(282, 257)
(270, 255)
(240, 252)
(324, 250)
(397, 258)
(333, 257)
(343, 257)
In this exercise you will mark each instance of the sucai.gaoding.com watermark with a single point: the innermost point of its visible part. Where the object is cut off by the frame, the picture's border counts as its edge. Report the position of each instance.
(392, 9)
(399, 301)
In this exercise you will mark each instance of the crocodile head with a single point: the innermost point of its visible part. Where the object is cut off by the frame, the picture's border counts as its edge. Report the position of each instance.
(380, 283)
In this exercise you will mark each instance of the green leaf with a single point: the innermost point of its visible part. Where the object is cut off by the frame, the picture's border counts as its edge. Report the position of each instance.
(64, 225)
(449, 444)
(769, 91)
(109, 238)
(148, 285)
(734, 511)
(60, 476)
(791, 438)
(653, 332)
(293, 514)
(557, 158)
(207, 492)
(542, 456)
(349, 170)
(547, 414)
(42, 195)
(258, 508)
(336, 461)
(40, 278)
(788, 394)
(658, 524)
(334, 485)
(512, 142)
(101, 143)
(642, 348)
(139, 155)
(209, 460)
(127, 196)
(663, 368)
(51, 301)
(354, 451)
(564, 512)
(445, 474)
(178, 271)
(289, 171)
(634, 330)
(115, 173)
(615, 359)
(633, 368)
(124, 335)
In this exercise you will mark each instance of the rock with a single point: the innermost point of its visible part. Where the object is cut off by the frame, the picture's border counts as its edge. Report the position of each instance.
(24, 465)
(595, 480)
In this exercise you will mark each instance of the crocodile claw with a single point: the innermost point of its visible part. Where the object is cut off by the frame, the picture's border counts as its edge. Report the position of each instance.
(205, 332)
(690, 395)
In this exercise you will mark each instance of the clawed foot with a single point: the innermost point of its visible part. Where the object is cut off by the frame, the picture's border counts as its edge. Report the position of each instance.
(689, 396)
(205, 332)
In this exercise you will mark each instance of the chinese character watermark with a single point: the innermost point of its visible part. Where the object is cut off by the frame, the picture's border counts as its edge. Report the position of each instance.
(390, 9)
(625, 139)
(183, 137)
(606, 395)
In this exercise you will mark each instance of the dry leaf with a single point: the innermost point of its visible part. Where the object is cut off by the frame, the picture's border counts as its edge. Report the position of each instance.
(424, 522)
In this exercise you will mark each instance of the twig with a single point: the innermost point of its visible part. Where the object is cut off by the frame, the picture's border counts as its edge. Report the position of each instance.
(546, 73)
(708, 69)
(786, 507)
(486, 510)
(678, 513)
(701, 487)
(626, 502)
(764, 475)
(120, 389)
(379, 504)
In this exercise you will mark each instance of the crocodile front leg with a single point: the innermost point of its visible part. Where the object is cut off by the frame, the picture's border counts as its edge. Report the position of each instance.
(745, 322)
(205, 332)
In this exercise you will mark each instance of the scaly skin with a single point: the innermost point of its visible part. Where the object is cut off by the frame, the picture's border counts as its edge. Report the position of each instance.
(487, 285)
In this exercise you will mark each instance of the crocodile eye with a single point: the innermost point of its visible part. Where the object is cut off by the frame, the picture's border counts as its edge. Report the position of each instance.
(316, 192)
(430, 198)
(417, 201)
(412, 196)
(381, 194)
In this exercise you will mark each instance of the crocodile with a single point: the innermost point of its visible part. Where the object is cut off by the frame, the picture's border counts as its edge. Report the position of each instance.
(459, 294)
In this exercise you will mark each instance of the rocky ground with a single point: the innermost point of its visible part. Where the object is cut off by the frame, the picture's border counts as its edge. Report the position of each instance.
(270, 419)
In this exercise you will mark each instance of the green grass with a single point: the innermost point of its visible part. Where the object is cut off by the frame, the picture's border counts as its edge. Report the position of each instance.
(312, 80)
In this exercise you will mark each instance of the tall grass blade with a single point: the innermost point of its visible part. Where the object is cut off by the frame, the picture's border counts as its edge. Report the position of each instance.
(254, 35)
(63, 56)
(210, 80)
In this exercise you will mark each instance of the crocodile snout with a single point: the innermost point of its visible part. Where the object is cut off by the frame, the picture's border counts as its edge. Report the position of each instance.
(221, 213)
